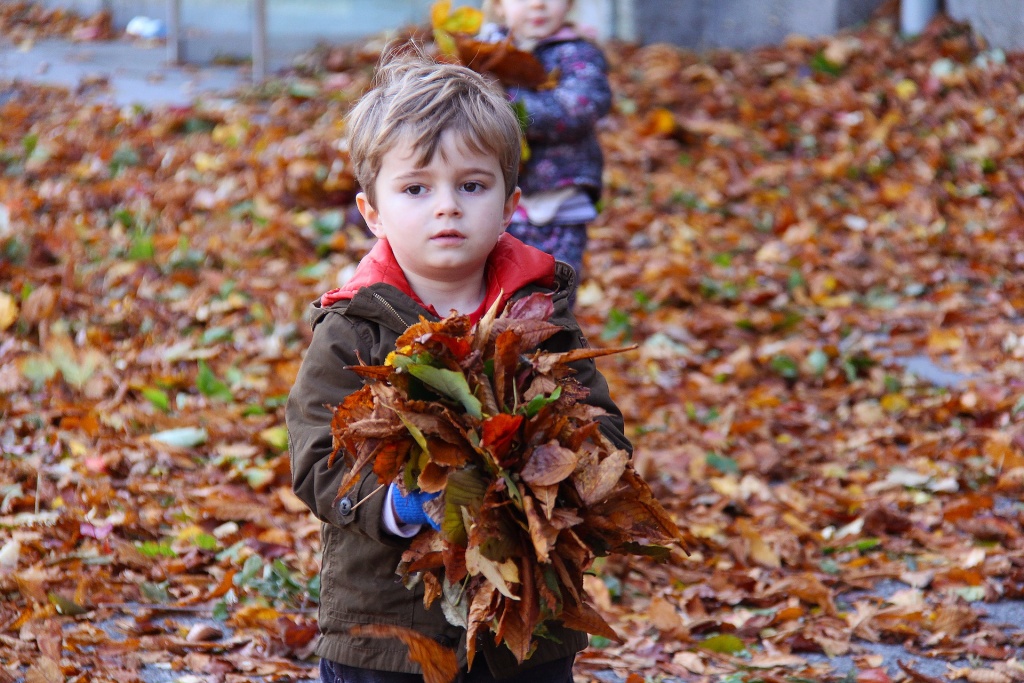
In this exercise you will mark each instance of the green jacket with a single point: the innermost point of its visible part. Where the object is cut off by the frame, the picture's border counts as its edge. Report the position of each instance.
(358, 580)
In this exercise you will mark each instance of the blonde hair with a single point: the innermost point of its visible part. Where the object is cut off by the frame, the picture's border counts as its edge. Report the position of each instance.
(416, 96)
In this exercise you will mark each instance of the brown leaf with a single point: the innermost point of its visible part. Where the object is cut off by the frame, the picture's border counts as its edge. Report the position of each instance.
(509, 65)
(550, 464)
(46, 670)
(49, 639)
(438, 663)
(595, 480)
(542, 533)
(586, 619)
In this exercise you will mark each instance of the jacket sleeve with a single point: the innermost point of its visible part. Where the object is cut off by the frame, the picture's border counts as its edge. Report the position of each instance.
(571, 109)
(322, 383)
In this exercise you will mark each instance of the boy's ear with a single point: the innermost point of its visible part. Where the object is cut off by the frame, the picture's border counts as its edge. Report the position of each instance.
(370, 215)
(510, 207)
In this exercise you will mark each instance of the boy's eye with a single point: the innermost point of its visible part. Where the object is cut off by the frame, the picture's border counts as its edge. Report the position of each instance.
(472, 186)
(414, 190)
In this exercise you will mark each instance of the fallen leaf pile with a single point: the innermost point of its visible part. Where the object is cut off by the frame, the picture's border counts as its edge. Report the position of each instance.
(27, 21)
(531, 491)
(817, 247)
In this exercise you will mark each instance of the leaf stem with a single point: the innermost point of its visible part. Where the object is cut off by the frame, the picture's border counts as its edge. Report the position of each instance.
(372, 493)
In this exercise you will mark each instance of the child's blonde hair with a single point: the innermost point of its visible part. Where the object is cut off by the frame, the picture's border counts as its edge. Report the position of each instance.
(415, 96)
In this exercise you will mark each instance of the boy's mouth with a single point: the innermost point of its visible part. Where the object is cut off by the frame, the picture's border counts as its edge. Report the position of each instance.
(448, 235)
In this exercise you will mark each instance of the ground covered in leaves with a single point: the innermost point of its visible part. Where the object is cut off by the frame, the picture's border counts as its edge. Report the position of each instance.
(818, 248)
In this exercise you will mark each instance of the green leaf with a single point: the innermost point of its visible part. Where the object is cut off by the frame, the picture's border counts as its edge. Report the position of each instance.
(823, 65)
(29, 143)
(785, 366)
(599, 642)
(724, 643)
(154, 549)
(303, 90)
(158, 397)
(253, 566)
(864, 544)
(124, 157)
(257, 477)
(276, 438)
(722, 463)
(210, 386)
(1018, 407)
(538, 402)
(817, 360)
(215, 335)
(329, 222)
(449, 383)
(618, 326)
(142, 247)
(38, 370)
(465, 489)
(971, 593)
(220, 611)
(155, 592)
(205, 541)
(182, 437)
(68, 608)
(415, 432)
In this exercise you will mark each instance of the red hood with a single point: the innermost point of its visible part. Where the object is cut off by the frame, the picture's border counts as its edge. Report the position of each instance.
(511, 266)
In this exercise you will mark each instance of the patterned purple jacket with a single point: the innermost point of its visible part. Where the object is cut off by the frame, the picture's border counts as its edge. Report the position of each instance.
(564, 150)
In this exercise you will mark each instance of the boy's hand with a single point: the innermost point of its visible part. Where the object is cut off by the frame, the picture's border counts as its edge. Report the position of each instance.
(409, 508)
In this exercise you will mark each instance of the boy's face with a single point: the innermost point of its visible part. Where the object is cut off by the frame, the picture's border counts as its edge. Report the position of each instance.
(443, 219)
(534, 19)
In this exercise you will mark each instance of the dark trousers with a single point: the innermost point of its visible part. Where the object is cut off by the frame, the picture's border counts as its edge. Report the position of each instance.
(558, 671)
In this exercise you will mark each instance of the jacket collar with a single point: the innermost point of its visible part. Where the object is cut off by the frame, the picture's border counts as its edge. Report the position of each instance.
(511, 266)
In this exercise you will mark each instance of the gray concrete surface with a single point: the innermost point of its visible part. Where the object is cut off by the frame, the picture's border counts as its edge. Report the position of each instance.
(122, 72)
(1001, 22)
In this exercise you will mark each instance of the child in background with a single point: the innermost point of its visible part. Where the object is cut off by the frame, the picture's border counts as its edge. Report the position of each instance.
(436, 150)
(561, 180)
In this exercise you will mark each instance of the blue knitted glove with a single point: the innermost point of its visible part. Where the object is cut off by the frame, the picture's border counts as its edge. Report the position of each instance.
(410, 508)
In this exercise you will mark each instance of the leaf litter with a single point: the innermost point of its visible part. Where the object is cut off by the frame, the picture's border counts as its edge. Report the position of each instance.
(780, 227)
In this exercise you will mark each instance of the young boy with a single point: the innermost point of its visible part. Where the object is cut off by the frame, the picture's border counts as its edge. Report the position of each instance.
(436, 150)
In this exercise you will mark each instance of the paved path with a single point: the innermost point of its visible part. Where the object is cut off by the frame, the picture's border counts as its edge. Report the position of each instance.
(135, 72)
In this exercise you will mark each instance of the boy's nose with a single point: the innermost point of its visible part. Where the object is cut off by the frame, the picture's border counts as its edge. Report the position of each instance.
(447, 204)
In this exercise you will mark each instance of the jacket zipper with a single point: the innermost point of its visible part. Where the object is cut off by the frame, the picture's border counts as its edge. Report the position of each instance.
(387, 305)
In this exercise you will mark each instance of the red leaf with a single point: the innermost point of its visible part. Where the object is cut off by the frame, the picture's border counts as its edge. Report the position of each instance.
(498, 433)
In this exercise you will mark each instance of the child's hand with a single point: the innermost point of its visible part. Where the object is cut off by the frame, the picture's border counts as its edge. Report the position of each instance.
(409, 508)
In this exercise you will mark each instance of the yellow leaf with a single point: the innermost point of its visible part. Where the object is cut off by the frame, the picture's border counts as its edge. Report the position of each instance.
(190, 532)
(760, 551)
(207, 162)
(498, 574)
(463, 20)
(896, 191)
(660, 123)
(895, 403)
(275, 437)
(726, 486)
(8, 310)
(941, 341)
(906, 89)
(254, 616)
(439, 12)
(445, 43)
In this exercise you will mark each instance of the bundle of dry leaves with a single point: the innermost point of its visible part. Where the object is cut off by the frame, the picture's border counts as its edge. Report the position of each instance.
(531, 490)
